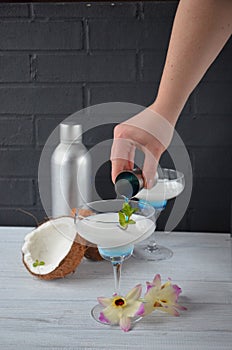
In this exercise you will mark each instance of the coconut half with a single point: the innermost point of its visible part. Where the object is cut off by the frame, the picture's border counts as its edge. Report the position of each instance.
(54, 247)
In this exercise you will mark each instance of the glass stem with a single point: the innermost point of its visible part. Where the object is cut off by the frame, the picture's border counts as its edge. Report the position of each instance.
(152, 245)
(117, 267)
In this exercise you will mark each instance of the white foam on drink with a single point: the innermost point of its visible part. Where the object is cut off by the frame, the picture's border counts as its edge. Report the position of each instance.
(163, 190)
(104, 230)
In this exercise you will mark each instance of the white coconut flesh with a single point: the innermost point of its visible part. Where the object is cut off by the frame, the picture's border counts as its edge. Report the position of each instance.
(49, 243)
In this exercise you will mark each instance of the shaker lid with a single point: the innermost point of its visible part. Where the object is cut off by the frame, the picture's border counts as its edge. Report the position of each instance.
(70, 132)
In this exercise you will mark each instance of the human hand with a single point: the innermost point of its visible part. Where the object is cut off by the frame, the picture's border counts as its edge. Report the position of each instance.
(147, 131)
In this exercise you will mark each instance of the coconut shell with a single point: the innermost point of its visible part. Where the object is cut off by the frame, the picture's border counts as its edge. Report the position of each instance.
(66, 266)
(92, 253)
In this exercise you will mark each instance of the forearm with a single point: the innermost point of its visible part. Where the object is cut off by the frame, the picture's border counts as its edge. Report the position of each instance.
(200, 30)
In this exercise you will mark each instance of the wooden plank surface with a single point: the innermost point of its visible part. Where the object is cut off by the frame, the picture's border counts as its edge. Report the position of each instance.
(37, 314)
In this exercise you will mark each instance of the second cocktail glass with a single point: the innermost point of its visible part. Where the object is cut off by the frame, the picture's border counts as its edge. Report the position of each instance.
(170, 184)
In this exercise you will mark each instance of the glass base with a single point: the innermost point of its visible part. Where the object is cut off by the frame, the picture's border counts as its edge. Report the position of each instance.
(151, 251)
(97, 309)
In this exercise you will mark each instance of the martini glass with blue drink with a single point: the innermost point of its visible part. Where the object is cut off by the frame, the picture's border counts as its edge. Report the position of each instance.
(169, 184)
(115, 241)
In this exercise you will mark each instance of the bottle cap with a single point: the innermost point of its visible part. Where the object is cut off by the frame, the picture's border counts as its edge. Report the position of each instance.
(70, 133)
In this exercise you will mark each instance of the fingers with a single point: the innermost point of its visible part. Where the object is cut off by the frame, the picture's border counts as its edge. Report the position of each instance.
(123, 152)
(118, 165)
(122, 156)
(147, 131)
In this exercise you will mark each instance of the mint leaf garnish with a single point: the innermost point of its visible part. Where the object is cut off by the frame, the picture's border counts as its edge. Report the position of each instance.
(38, 263)
(35, 264)
(125, 214)
(122, 219)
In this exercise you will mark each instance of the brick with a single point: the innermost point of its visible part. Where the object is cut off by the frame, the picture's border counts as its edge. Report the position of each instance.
(14, 217)
(92, 68)
(46, 198)
(221, 69)
(160, 9)
(98, 134)
(16, 192)
(89, 10)
(41, 35)
(14, 10)
(175, 158)
(213, 98)
(205, 130)
(39, 99)
(23, 162)
(15, 130)
(92, 134)
(45, 126)
(100, 155)
(155, 34)
(105, 113)
(142, 94)
(131, 34)
(211, 192)
(14, 68)
(166, 161)
(210, 220)
(152, 66)
(212, 162)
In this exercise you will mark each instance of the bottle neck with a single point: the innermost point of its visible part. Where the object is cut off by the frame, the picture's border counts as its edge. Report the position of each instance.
(71, 142)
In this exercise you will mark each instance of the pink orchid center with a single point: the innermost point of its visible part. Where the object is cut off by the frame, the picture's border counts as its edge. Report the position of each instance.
(119, 302)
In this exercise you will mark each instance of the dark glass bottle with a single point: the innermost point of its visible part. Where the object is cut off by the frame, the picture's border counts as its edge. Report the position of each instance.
(129, 182)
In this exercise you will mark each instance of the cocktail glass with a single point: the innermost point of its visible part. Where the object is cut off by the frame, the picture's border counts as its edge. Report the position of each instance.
(115, 244)
(170, 185)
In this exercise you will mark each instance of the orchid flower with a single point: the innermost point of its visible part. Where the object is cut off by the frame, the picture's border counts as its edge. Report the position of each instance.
(120, 310)
(162, 297)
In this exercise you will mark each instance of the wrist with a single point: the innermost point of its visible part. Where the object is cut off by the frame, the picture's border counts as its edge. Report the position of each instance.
(170, 113)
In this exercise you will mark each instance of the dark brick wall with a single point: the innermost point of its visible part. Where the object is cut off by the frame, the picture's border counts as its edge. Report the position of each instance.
(57, 58)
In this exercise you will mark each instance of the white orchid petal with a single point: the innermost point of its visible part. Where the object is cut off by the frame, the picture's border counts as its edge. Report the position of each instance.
(134, 293)
(157, 280)
(104, 301)
(125, 324)
(148, 308)
(112, 314)
(132, 309)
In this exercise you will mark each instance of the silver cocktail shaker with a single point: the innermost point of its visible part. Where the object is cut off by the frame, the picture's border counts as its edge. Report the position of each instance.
(70, 171)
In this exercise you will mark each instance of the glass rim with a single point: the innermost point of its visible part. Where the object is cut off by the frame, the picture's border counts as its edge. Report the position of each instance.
(180, 175)
(87, 206)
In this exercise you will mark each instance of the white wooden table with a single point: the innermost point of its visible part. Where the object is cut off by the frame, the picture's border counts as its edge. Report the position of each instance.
(37, 314)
